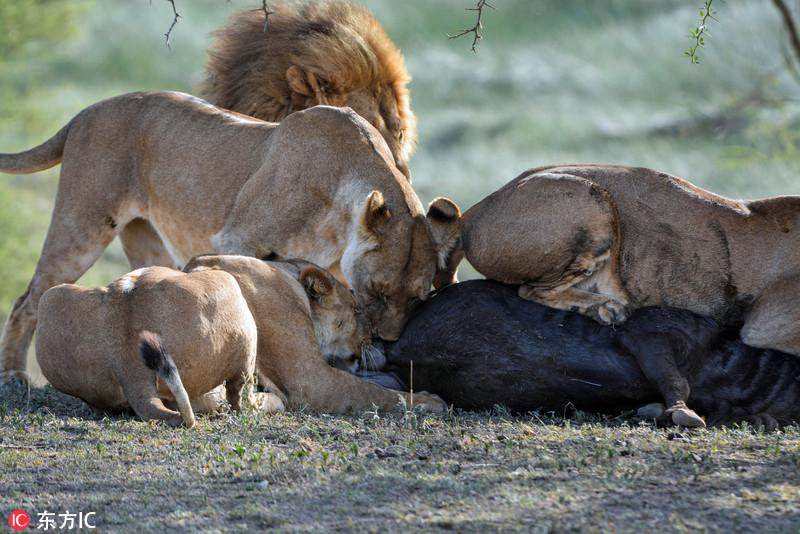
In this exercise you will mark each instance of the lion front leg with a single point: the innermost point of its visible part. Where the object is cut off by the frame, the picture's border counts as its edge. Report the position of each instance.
(555, 235)
(307, 380)
(567, 293)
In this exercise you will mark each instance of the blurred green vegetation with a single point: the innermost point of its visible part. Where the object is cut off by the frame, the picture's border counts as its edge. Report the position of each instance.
(554, 81)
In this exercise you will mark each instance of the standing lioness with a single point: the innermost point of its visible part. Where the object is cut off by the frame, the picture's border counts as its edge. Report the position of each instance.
(596, 239)
(321, 185)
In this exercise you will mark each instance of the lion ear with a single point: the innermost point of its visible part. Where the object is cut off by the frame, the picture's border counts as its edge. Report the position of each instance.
(309, 84)
(297, 81)
(376, 212)
(444, 217)
(315, 282)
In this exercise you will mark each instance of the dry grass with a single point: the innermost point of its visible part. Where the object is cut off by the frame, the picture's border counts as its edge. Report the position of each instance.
(465, 472)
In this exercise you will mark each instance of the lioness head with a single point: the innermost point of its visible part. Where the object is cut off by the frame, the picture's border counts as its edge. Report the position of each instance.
(341, 327)
(396, 263)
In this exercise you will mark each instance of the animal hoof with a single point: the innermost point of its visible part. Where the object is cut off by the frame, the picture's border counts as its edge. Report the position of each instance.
(683, 416)
(762, 422)
(428, 402)
(609, 312)
(651, 411)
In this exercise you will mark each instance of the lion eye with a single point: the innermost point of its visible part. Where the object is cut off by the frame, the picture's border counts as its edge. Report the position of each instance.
(341, 323)
(401, 135)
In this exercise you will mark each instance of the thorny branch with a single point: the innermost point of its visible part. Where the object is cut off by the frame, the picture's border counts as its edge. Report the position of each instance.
(475, 30)
(174, 21)
(789, 24)
(267, 13)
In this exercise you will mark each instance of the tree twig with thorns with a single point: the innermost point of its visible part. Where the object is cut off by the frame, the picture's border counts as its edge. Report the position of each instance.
(174, 21)
(267, 12)
(789, 24)
(476, 29)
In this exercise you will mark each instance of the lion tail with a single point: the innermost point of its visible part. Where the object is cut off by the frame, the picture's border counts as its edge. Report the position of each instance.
(158, 360)
(39, 158)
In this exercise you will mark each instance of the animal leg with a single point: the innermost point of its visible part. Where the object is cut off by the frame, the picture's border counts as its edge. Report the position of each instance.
(74, 242)
(728, 415)
(271, 399)
(656, 355)
(589, 286)
(143, 247)
(239, 388)
(153, 408)
(140, 390)
(305, 378)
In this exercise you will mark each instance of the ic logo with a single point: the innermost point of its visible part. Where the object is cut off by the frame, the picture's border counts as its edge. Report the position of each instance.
(19, 520)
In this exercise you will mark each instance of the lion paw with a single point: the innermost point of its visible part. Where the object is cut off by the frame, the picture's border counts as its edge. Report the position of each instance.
(268, 402)
(609, 312)
(428, 402)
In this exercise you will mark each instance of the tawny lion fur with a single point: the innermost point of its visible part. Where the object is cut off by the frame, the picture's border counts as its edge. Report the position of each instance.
(219, 321)
(89, 341)
(599, 239)
(175, 177)
(327, 52)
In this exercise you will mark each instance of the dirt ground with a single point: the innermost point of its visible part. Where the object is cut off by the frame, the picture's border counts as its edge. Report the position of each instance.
(378, 472)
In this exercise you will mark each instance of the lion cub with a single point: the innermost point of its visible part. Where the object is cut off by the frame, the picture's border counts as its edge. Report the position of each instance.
(153, 335)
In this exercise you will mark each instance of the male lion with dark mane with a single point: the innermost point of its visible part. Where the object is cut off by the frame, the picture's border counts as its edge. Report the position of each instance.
(329, 52)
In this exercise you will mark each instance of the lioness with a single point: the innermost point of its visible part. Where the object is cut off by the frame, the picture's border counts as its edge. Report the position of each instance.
(103, 345)
(301, 326)
(323, 52)
(598, 239)
(321, 186)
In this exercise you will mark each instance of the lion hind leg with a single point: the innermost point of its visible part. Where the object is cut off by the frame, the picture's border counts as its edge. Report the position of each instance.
(589, 286)
(70, 249)
(239, 391)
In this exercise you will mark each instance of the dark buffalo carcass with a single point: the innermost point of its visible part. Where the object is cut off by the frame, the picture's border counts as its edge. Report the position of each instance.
(477, 344)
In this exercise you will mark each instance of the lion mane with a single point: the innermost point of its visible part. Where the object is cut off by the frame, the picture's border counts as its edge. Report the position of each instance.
(324, 52)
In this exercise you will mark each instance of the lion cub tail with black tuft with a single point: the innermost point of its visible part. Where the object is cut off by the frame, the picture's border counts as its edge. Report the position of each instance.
(39, 158)
(157, 359)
